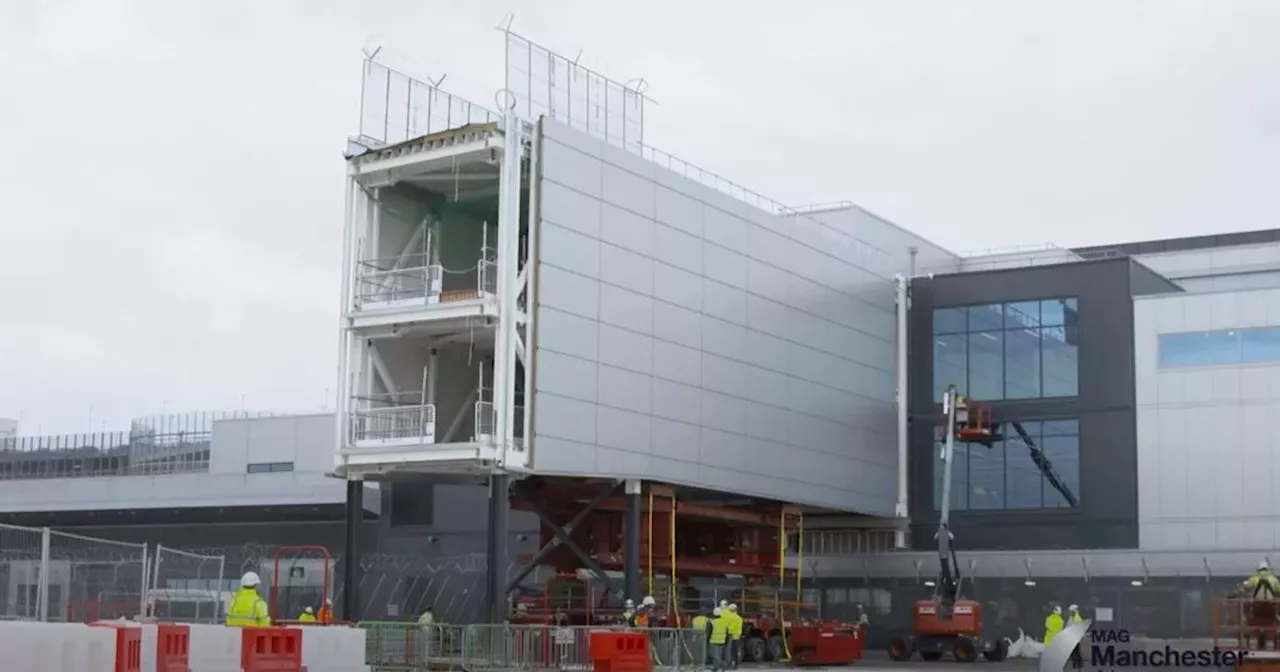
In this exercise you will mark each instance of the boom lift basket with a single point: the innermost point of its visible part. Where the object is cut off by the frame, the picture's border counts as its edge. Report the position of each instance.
(973, 422)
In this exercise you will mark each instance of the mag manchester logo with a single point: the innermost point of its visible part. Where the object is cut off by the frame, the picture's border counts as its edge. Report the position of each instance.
(1109, 649)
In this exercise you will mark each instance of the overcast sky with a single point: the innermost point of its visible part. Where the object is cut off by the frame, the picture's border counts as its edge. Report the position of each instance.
(172, 196)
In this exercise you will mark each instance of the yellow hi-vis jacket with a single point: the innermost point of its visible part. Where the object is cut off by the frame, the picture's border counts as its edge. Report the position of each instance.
(700, 623)
(1052, 626)
(247, 610)
(1076, 617)
(719, 630)
(1263, 584)
(307, 618)
(735, 624)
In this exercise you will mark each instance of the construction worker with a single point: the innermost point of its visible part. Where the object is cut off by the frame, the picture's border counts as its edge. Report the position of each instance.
(1053, 625)
(718, 640)
(863, 620)
(427, 618)
(308, 616)
(1264, 588)
(645, 611)
(247, 609)
(701, 625)
(325, 617)
(629, 612)
(735, 635)
(1073, 616)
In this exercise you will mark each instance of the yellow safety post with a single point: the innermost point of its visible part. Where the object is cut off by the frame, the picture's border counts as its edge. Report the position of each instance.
(649, 544)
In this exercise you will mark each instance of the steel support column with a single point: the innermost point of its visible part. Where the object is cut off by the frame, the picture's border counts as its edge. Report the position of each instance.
(497, 559)
(631, 541)
(351, 550)
(555, 541)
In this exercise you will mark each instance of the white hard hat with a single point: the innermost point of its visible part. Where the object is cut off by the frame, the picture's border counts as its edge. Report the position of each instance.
(715, 612)
(1262, 565)
(308, 610)
(250, 580)
(1057, 610)
(630, 603)
(733, 607)
(724, 603)
(649, 601)
(1074, 607)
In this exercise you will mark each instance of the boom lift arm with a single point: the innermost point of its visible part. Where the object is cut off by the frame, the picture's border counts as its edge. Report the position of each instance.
(948, 589)
(1042, 463)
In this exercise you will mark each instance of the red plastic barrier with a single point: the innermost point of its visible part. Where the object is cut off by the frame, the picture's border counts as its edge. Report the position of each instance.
(620, 652)
(128, 645)
(271, 650)
(173, 648)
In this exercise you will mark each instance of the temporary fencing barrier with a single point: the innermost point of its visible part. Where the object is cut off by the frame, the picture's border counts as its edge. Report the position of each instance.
(187, 587)
(408, 647)
(48, 575)
(20, 562)
(90, 579)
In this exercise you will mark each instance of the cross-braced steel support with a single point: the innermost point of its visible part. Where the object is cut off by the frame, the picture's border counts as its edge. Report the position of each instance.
(564, 537)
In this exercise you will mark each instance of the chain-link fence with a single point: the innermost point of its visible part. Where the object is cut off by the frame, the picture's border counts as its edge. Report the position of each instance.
(401, 586)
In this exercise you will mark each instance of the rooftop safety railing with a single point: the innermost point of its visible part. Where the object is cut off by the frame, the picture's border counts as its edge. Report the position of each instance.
(391, 417)
(156, 445)
(868, 256)
(395, 107)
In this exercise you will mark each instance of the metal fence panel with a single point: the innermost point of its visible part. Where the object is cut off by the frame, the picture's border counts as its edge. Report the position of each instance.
(20, 561)
(188, 587)
(91, 579)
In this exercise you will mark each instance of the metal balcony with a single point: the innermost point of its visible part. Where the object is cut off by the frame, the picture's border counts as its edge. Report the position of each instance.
(486, 422)
(381, 426)
(387, 285)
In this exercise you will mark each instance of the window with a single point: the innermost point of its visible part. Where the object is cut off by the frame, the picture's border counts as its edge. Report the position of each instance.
(1223, 347)
(1010, 474)
(1017, 350)
(270, 467)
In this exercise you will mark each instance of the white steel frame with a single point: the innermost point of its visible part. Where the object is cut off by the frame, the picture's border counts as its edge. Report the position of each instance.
(359, 361)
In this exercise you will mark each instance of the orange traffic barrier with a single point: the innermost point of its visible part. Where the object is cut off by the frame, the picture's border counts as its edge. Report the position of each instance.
(271, 650)
(620, 652)
(173, 648)
(128, 645)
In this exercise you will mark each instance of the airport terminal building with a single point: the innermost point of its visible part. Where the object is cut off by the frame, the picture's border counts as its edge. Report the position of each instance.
(537, 303)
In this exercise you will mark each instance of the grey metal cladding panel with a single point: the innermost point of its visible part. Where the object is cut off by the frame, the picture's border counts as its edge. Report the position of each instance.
(683, 336)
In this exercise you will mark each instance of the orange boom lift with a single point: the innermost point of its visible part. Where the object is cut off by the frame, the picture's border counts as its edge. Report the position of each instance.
(946, 623)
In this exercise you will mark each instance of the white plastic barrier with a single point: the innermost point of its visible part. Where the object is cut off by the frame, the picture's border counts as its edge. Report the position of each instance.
(214, 648)
(332, 649)
(150, 639)
(57, 647)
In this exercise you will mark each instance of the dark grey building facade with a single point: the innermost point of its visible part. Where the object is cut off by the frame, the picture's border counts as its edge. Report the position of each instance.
(1049, 349)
